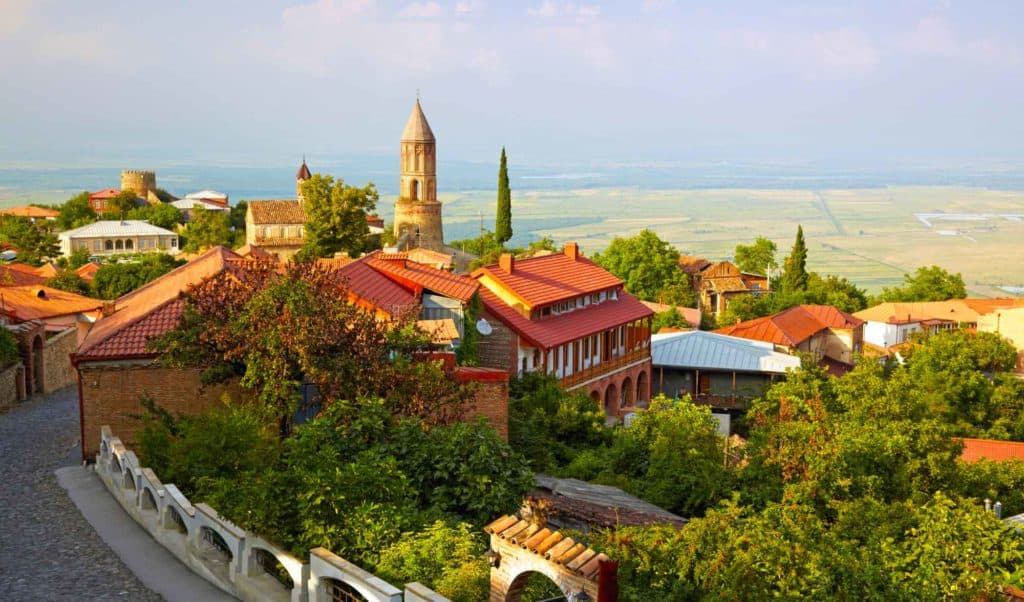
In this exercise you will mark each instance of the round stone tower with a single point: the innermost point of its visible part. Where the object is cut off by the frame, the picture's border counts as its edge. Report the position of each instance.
(417, 211)
(141, 182)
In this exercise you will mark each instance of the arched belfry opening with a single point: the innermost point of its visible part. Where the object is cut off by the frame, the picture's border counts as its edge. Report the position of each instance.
(521, 549)
(414, 190)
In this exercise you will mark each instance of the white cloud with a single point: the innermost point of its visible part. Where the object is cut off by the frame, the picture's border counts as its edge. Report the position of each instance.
(551, 9)
(421, 10)
(465, 7)
(935, 36)
(846, 49)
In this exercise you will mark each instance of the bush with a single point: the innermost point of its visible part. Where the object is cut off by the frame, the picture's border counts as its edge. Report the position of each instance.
(9, 353)
(447, 557)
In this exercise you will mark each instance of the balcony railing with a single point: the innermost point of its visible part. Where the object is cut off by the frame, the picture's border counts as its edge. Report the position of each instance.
(722, 402)
(606, 367)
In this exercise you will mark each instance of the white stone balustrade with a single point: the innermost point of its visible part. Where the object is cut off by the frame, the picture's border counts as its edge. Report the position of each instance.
(240, 563)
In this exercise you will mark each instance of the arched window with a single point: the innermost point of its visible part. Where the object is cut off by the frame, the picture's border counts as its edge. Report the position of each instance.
(108, 245)
(273, 567)
(128, 245)
(414, 190)
(339, 591)
(119, 245)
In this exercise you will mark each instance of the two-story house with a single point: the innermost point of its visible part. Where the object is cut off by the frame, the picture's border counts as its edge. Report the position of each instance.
(564, 315)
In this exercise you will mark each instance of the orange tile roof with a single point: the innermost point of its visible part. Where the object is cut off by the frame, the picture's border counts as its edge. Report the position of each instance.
(442, 332)
(987, 306)
(691, 315)
(88, 271)
(15, 274)
(564, 328)
(792, 326)
(692, 264)
(277, 212)
(41, 302)
(253, 251)
(148, 311)
(376, 289)
(551, 278)
(990, 449)
(47, 270)
(109, 193)
(334, 263)
(431, 258)
(425, 277)
(954, 310)
(31, 212)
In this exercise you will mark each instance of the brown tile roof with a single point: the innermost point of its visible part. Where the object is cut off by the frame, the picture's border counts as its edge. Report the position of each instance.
(41, 302)
(548, 545)
(725, 284)
(277, 212)
(151, 310)
(303, 173)
(31, 212)
(556, 330)
(88, 271)
(792, 326)
(13, 274)
(990, 449)
(692, 264)
(547, 279)
(432, 258)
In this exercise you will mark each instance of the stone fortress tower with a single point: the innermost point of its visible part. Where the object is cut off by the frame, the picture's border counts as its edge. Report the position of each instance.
(300, 177)
(417, 210)
(141, 182)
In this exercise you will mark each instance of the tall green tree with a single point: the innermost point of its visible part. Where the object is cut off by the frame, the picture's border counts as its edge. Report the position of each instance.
(207, 229)
(757, 258)
(122, 204)
(927, 284)
(648, 267)
(503, 222)
(34, 242)
(794, 276)
(76, 212)
(336, 216)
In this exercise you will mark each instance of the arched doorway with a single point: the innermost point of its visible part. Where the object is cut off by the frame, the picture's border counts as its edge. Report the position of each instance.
(611, 400)
(532, 586)
(627, 392)
(414, 190)
(37, 365)
(642, 394)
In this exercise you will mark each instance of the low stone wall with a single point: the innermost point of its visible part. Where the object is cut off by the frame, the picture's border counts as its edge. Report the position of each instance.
(57, 369)
(240, 563)
(11, 390)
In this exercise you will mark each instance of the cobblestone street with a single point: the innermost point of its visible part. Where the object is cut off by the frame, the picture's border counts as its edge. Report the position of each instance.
(47, 549)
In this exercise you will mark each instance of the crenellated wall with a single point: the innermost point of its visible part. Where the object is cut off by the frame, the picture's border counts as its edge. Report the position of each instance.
(238, 562)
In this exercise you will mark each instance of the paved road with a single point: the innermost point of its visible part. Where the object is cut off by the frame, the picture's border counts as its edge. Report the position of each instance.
(47, 549)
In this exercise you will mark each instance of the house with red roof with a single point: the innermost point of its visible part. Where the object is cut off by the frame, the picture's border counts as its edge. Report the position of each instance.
(991, 449)
(564, 315)
(830, 335)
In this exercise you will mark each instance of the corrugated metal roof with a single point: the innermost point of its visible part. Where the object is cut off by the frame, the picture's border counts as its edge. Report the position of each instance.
(711, 351)
(128, 227)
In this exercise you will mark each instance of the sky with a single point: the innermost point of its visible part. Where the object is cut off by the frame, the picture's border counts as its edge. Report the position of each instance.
(261, 83)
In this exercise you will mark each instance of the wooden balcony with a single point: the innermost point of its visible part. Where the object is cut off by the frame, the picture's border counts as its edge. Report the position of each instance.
(722, 402)
(604, 368)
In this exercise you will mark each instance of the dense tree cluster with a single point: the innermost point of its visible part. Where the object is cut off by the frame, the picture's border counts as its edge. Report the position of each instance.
(120, 277)
(336, 216)
(648, 268)
(927, 284)
(34, 242)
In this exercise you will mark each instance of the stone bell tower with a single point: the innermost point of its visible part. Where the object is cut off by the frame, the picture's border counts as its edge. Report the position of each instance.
(301, 176)
(417, 210)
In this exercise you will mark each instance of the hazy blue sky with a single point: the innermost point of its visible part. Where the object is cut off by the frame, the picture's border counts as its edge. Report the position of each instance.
(895, 81)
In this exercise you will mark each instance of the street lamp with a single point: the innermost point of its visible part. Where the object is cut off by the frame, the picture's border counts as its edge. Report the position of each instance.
(493, 558)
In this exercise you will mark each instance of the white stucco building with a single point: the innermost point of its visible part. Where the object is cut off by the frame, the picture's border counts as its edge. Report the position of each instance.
(117, 237)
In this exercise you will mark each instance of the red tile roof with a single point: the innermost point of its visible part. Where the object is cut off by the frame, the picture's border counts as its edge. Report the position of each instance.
(41, 302)
(376, 289)
(303, 173)
(109, 193)
(551, 278)
(410, 273)
(990, 449)
(792, 326)
(151, 310)
(88, 271)
(556, 330)
(691, 315)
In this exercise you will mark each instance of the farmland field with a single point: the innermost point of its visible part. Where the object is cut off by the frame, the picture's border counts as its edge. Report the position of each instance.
(871, 235)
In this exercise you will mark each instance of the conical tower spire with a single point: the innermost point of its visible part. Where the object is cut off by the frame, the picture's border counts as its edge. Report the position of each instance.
(417, 129)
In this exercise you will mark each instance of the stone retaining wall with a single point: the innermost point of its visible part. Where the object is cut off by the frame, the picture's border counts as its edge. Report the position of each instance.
(57, 369)
(240, 563)
(11, 390)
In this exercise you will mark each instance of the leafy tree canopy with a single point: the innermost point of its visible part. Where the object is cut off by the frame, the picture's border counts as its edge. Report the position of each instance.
(207, 229)
(649, 268)
(757, 258)
(68, 280)
(123, 276)
(927, 284)
(76, 212)
(34, 242)
(336, 216)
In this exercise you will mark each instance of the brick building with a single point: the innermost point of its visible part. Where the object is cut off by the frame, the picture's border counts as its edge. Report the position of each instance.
(564, 315)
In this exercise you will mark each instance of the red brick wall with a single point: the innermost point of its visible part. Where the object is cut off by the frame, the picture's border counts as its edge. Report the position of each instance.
(490, 398)
(110, 395)
(640, 397)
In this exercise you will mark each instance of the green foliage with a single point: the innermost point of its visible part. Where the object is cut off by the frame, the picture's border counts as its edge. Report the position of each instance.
(68, 280)
(121, 205)
(238, 216)
(336, 216)
(161, 215)
(448, 556)
(820, 290)
(927, 284)
(648, 267)
(670, 318)
(467, 354)
(207, 228)
(78, 258)
(503, 222)
(794, 275)
(549, 426)
(34, 242)
(8, 348)
(76, 212)
(164, 196)
(113, 280)
(757, 258)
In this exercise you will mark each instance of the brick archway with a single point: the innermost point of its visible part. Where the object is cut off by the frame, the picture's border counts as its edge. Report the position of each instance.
(611, 400)
(520, 548)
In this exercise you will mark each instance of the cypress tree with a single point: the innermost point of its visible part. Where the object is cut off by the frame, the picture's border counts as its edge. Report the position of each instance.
(503, 222)
(794, 278)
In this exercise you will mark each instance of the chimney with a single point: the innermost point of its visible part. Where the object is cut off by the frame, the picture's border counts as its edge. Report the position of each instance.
(507, 262)
(572, 250)
(108, 308)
